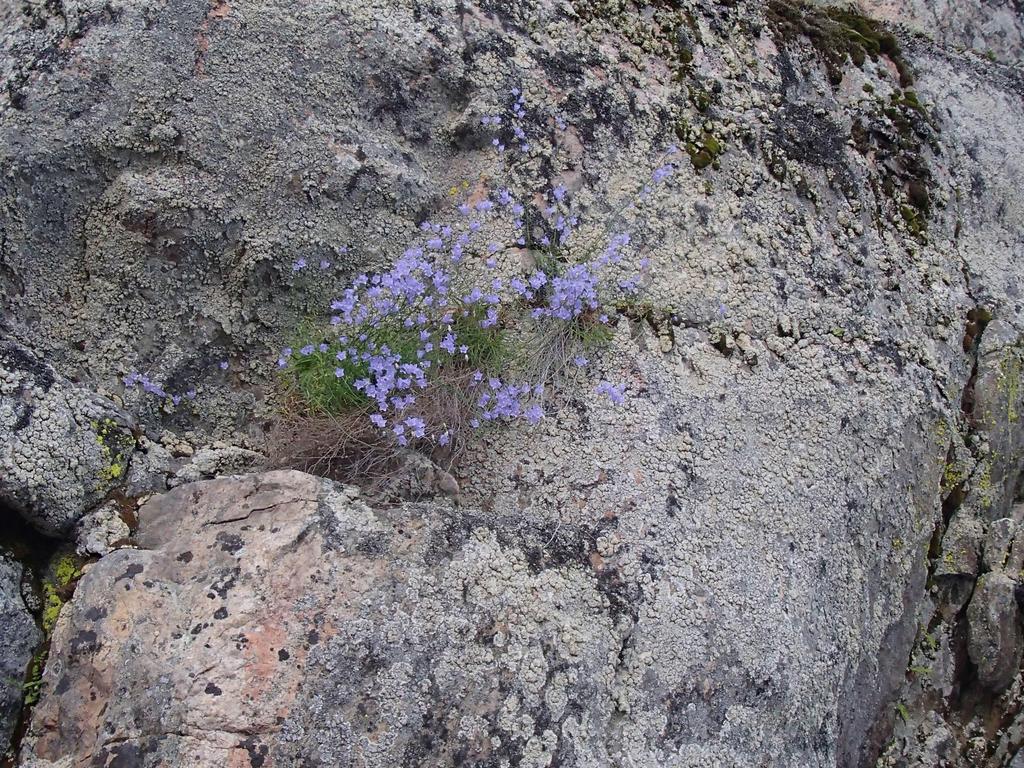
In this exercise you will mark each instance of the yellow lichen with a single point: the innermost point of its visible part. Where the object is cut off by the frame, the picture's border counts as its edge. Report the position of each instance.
(1008, 385)
(113, 446)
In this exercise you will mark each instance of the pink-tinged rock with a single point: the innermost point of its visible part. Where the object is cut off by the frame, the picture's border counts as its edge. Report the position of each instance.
(276, 620)
(189, 644)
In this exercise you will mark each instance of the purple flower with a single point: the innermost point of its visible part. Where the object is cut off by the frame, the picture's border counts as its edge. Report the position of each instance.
(325, 264)
(580, 361)
(444, 438)
(378, 420)
(223, 365)
(615, 394)
(534, 414)
(298, 264)
(559, 192)
(305, 352)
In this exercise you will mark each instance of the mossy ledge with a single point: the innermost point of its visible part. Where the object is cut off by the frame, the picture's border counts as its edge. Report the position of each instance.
(838, 35)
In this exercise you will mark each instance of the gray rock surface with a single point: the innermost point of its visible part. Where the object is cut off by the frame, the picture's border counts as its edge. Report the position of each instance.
(101, 531)
(62, 447)
(992, 28)
(728, 570)
(19, 638)
(994, 631)
(214, 460)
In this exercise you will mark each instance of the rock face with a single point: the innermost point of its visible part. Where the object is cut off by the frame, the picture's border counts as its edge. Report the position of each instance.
(62, 447)
(994, 28)
(277, 620)
(733, 568)
(19, 638)
(994, 642)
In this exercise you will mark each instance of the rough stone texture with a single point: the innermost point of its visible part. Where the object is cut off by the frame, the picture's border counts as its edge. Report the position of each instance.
(62, 447)
(213, 460)
(993, 28)
(150, 469)
(964, 699)
(730, 569)
(19, 638)
(100, 531)
(276, 617)
(994, 632)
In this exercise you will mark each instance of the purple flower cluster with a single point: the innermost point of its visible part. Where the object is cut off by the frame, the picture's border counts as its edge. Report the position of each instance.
(454, 291)
(156, 389)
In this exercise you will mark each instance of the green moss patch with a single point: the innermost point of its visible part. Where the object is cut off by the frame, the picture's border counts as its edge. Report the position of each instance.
(838, 35)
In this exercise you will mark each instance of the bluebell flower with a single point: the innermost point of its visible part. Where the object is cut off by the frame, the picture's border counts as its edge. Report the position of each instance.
(615, 394)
